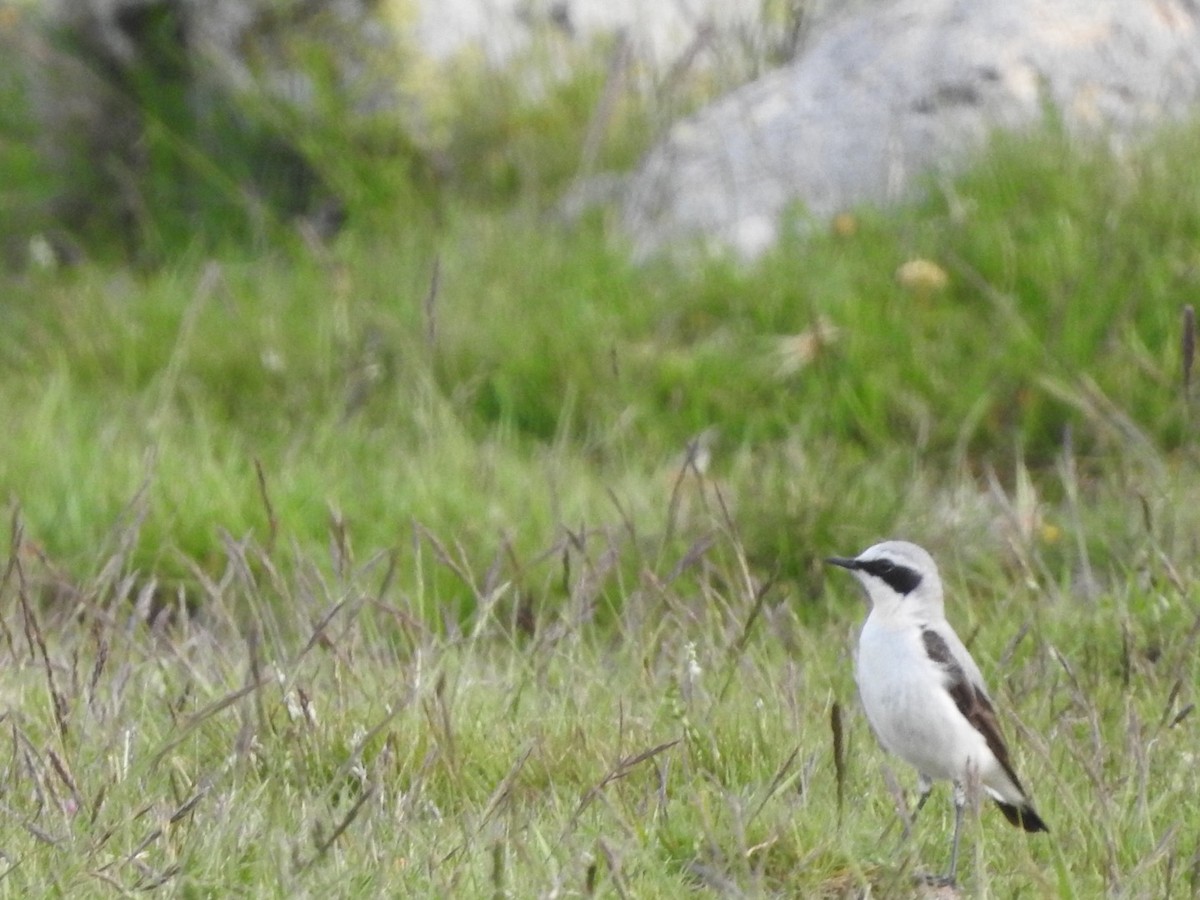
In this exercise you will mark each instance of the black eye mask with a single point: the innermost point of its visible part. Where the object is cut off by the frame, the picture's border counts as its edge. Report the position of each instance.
(901, 579)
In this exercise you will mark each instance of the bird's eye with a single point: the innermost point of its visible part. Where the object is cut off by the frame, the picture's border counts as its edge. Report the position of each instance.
(899, 577)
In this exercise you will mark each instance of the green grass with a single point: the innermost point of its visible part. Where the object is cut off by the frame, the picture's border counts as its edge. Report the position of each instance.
(374, 568)
(308, 731)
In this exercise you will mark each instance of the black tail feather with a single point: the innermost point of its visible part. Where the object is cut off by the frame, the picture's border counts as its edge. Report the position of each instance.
(1024, 816)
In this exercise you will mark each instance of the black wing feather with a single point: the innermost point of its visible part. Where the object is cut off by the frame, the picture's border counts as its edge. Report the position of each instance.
(977, 709)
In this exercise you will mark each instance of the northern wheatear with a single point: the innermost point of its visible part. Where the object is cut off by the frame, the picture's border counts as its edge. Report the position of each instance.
(922, 691)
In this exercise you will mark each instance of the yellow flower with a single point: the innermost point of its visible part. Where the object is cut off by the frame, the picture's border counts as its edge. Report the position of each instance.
(1051, 534)
(922, 277)
(845, 225)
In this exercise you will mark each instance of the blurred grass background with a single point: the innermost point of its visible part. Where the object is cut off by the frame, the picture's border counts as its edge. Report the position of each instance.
(392, 319)
(451, 372)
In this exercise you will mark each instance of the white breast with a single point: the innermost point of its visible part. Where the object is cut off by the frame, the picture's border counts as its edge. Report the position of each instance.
(913, 715)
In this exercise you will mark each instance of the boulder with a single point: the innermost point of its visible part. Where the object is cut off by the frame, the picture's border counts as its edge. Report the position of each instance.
(663, 32)
(882, 98)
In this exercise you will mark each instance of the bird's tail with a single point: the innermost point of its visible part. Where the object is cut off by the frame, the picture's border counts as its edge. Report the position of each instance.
(1022, 815)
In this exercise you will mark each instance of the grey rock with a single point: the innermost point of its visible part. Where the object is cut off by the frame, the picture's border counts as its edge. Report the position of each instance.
(503, 29)
(902, 90)
(662, 30)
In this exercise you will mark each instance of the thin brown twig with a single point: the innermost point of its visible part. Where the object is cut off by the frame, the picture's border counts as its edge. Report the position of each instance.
(33, 634)
(16, 540)
(739, 645)
(619, 771)
(195, 721)
(776, 783)
(614, 869)
(837, 729)
(347, 820)
(265, 495)
(1188, 347)
(429, 304)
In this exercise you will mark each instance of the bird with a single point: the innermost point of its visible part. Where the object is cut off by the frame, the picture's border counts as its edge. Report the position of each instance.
(922, 692)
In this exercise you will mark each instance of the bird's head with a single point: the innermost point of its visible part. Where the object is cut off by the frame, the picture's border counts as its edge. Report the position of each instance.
(901, 579)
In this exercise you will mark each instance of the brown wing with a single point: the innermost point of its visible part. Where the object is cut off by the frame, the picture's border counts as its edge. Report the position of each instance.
(977, 709)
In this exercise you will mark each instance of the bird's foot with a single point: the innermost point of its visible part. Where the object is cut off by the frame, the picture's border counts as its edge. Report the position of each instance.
(935, 881)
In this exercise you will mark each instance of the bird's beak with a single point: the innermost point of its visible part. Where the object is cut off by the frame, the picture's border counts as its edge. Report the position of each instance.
(843, 561)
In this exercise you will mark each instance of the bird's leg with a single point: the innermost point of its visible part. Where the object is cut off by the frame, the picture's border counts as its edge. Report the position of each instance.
(950, 878)
(960, 801)
(925, 785)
